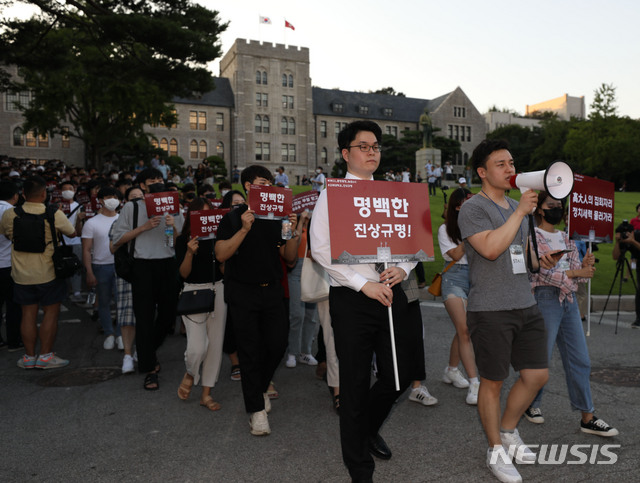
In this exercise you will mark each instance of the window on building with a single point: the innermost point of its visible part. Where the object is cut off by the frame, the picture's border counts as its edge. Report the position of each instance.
(284, 125)
(164, 145)
(290, 102)
(468, 133)
(66, 139)
(344, 124)
(193, 149)
(338, 154)
(338, 107)
(43, 140)
(466, 158)
(323, 129)
(193, 120)
(324, 156)
(258, 77)
(337, 129)
(202, 120)
(450, 131)
(31, 139)
(457, 132)
(284, 80)
(154, 143)
(219, 121)
(173, 147)
(292, 153)
(258, 151)
(265, 124)
(264, 78)
(285, 153)
(202, 152)
(258, 124)
(290, 80)
(11, 101)
(284, 102)
(18, 137)
(266, 151)
(394, 131)
(25, 99)
(258, 99)
(363, 109)
(387, 111)
(220, 149)
(292, 125)
(265, 100)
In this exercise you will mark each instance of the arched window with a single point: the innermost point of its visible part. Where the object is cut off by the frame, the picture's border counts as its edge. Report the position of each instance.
(290, 80)
(220, 150)
(283, 125)
(264, 77)
(265, 124)
(203, 149)
(466, 158)
(164, 145)
(284, 80)
(323, 156)
(292, 125)
(193, 149)
(258, 124)
(154, 143)
(173, 147)
(18, 137)
(258, 77)
(31, 141)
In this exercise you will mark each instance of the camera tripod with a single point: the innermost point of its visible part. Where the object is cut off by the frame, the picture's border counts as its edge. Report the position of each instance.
(621, 264)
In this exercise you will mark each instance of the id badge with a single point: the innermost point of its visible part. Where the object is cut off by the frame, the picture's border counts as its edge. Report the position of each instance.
(517, 259)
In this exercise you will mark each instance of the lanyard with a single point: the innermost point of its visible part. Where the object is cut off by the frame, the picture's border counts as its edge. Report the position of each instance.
(502, 215)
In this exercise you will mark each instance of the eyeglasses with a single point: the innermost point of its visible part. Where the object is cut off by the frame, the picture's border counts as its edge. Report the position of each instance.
(365, 148)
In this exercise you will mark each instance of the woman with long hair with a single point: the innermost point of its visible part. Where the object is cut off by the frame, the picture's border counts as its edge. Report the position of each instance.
(455, 291)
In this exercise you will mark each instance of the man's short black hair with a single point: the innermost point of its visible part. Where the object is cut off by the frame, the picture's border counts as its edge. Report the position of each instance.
(483, 150)
(351, 130)
(148, 173)
(188, 187)
(254, 171)
(8, 189)
(123, 182)
(108, 191)
(224, 185)
(33, 186)
(69, 181)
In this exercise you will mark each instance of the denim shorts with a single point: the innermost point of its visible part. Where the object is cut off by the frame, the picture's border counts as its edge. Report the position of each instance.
(455, 282)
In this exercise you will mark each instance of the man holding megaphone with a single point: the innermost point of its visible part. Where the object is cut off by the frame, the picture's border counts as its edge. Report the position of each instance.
(505, 324)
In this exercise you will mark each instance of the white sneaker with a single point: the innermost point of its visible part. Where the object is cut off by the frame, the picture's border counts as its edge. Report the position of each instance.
(513, 444)
(472, 394)
(291, 361)
(421, 395)
(455, 377)
(259, 424)
(307, 359)
(109, 343)
(267, 402)
(135, 355)
(500, 464)
(119, 343)
(127, 364)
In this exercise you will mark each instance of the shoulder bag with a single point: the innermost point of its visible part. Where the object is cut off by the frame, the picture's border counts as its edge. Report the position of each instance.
(123, 256)
(314, 281)
(435, 288)
(65, 262)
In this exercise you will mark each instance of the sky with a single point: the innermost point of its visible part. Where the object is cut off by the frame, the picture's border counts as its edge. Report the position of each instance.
(503, 53)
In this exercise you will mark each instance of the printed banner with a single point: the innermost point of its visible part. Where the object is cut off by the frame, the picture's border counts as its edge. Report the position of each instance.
(304, 201)
(204, 223)
(270, 202)
(167, 202)
(591, 209)
(367, 215)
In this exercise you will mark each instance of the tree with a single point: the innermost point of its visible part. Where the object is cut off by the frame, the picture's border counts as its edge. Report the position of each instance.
(522, 143)
(604, 102)
(100, 70)
(389, 91)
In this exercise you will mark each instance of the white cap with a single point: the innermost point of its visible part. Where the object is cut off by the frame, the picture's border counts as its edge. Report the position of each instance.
(461, 180)
(14, 173)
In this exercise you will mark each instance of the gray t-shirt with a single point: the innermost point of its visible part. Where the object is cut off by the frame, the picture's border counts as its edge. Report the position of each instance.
(150, 244)
(494, 286)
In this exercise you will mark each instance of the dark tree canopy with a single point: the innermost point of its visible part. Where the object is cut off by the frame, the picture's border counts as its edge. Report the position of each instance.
(103, 69)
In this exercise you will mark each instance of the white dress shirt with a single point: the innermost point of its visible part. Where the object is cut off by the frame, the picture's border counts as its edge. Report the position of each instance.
(341, 275)
(5, 243)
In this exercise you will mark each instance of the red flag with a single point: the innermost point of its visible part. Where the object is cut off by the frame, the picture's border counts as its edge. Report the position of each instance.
(288, 25)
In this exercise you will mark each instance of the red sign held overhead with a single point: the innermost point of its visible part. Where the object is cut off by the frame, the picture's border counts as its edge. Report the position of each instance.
(366, 215)
(204, 223)
(270, 202)
(591, 209)
(163, 203)
(304, 201)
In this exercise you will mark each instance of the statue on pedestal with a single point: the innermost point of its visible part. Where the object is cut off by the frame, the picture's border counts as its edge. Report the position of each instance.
(427, 129)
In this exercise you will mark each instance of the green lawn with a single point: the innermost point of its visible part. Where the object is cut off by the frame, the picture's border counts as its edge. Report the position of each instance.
(625, 208)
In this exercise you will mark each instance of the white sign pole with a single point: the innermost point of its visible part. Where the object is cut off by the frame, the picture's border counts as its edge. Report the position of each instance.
(592, 237)
(384, 254)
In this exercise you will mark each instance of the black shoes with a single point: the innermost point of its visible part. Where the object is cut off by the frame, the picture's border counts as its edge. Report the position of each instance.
(378, 448)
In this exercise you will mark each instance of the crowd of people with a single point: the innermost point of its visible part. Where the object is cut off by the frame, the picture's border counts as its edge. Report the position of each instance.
(505, 312)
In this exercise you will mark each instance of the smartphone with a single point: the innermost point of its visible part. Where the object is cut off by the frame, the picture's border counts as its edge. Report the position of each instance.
(560, 253)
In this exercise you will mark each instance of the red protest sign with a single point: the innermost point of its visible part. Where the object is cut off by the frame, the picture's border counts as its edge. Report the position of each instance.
(304, 201)
(591, 209)
(366, 215)
(270, 202)
(56, 196)
(204, 223)
(163, 203)
(65, 206)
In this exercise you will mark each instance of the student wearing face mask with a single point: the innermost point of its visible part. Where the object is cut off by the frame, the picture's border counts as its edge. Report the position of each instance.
(76, 218)
(555, 292)
(318, 180)
(98, 261)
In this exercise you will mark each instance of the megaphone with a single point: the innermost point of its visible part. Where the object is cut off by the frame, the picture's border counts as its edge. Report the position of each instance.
(557, 180)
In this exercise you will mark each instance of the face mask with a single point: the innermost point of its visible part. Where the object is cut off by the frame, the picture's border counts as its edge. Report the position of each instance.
(111, 204)
(224, 192)
(553, 215)
(68, 195)
(156, 188)
(318, 171)
(114, 177)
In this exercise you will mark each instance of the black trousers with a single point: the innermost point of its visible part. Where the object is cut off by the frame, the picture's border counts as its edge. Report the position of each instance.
(262, 332)
(154, 304)
(361, 328)
(13, 310)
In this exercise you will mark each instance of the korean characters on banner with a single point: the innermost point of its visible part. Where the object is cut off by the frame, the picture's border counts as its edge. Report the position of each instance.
(591, 209)
(90, 204)
(366, 215)
(204, 223)
(162, 203)
(304, 201)
(270, 202)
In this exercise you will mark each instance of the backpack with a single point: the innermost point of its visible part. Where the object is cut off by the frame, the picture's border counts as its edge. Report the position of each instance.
(29, 230)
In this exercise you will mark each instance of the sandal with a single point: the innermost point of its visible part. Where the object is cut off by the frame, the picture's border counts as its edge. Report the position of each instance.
(235, 373)
(151, 382)
(210, 404)
(185, 388)
(272, 393)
